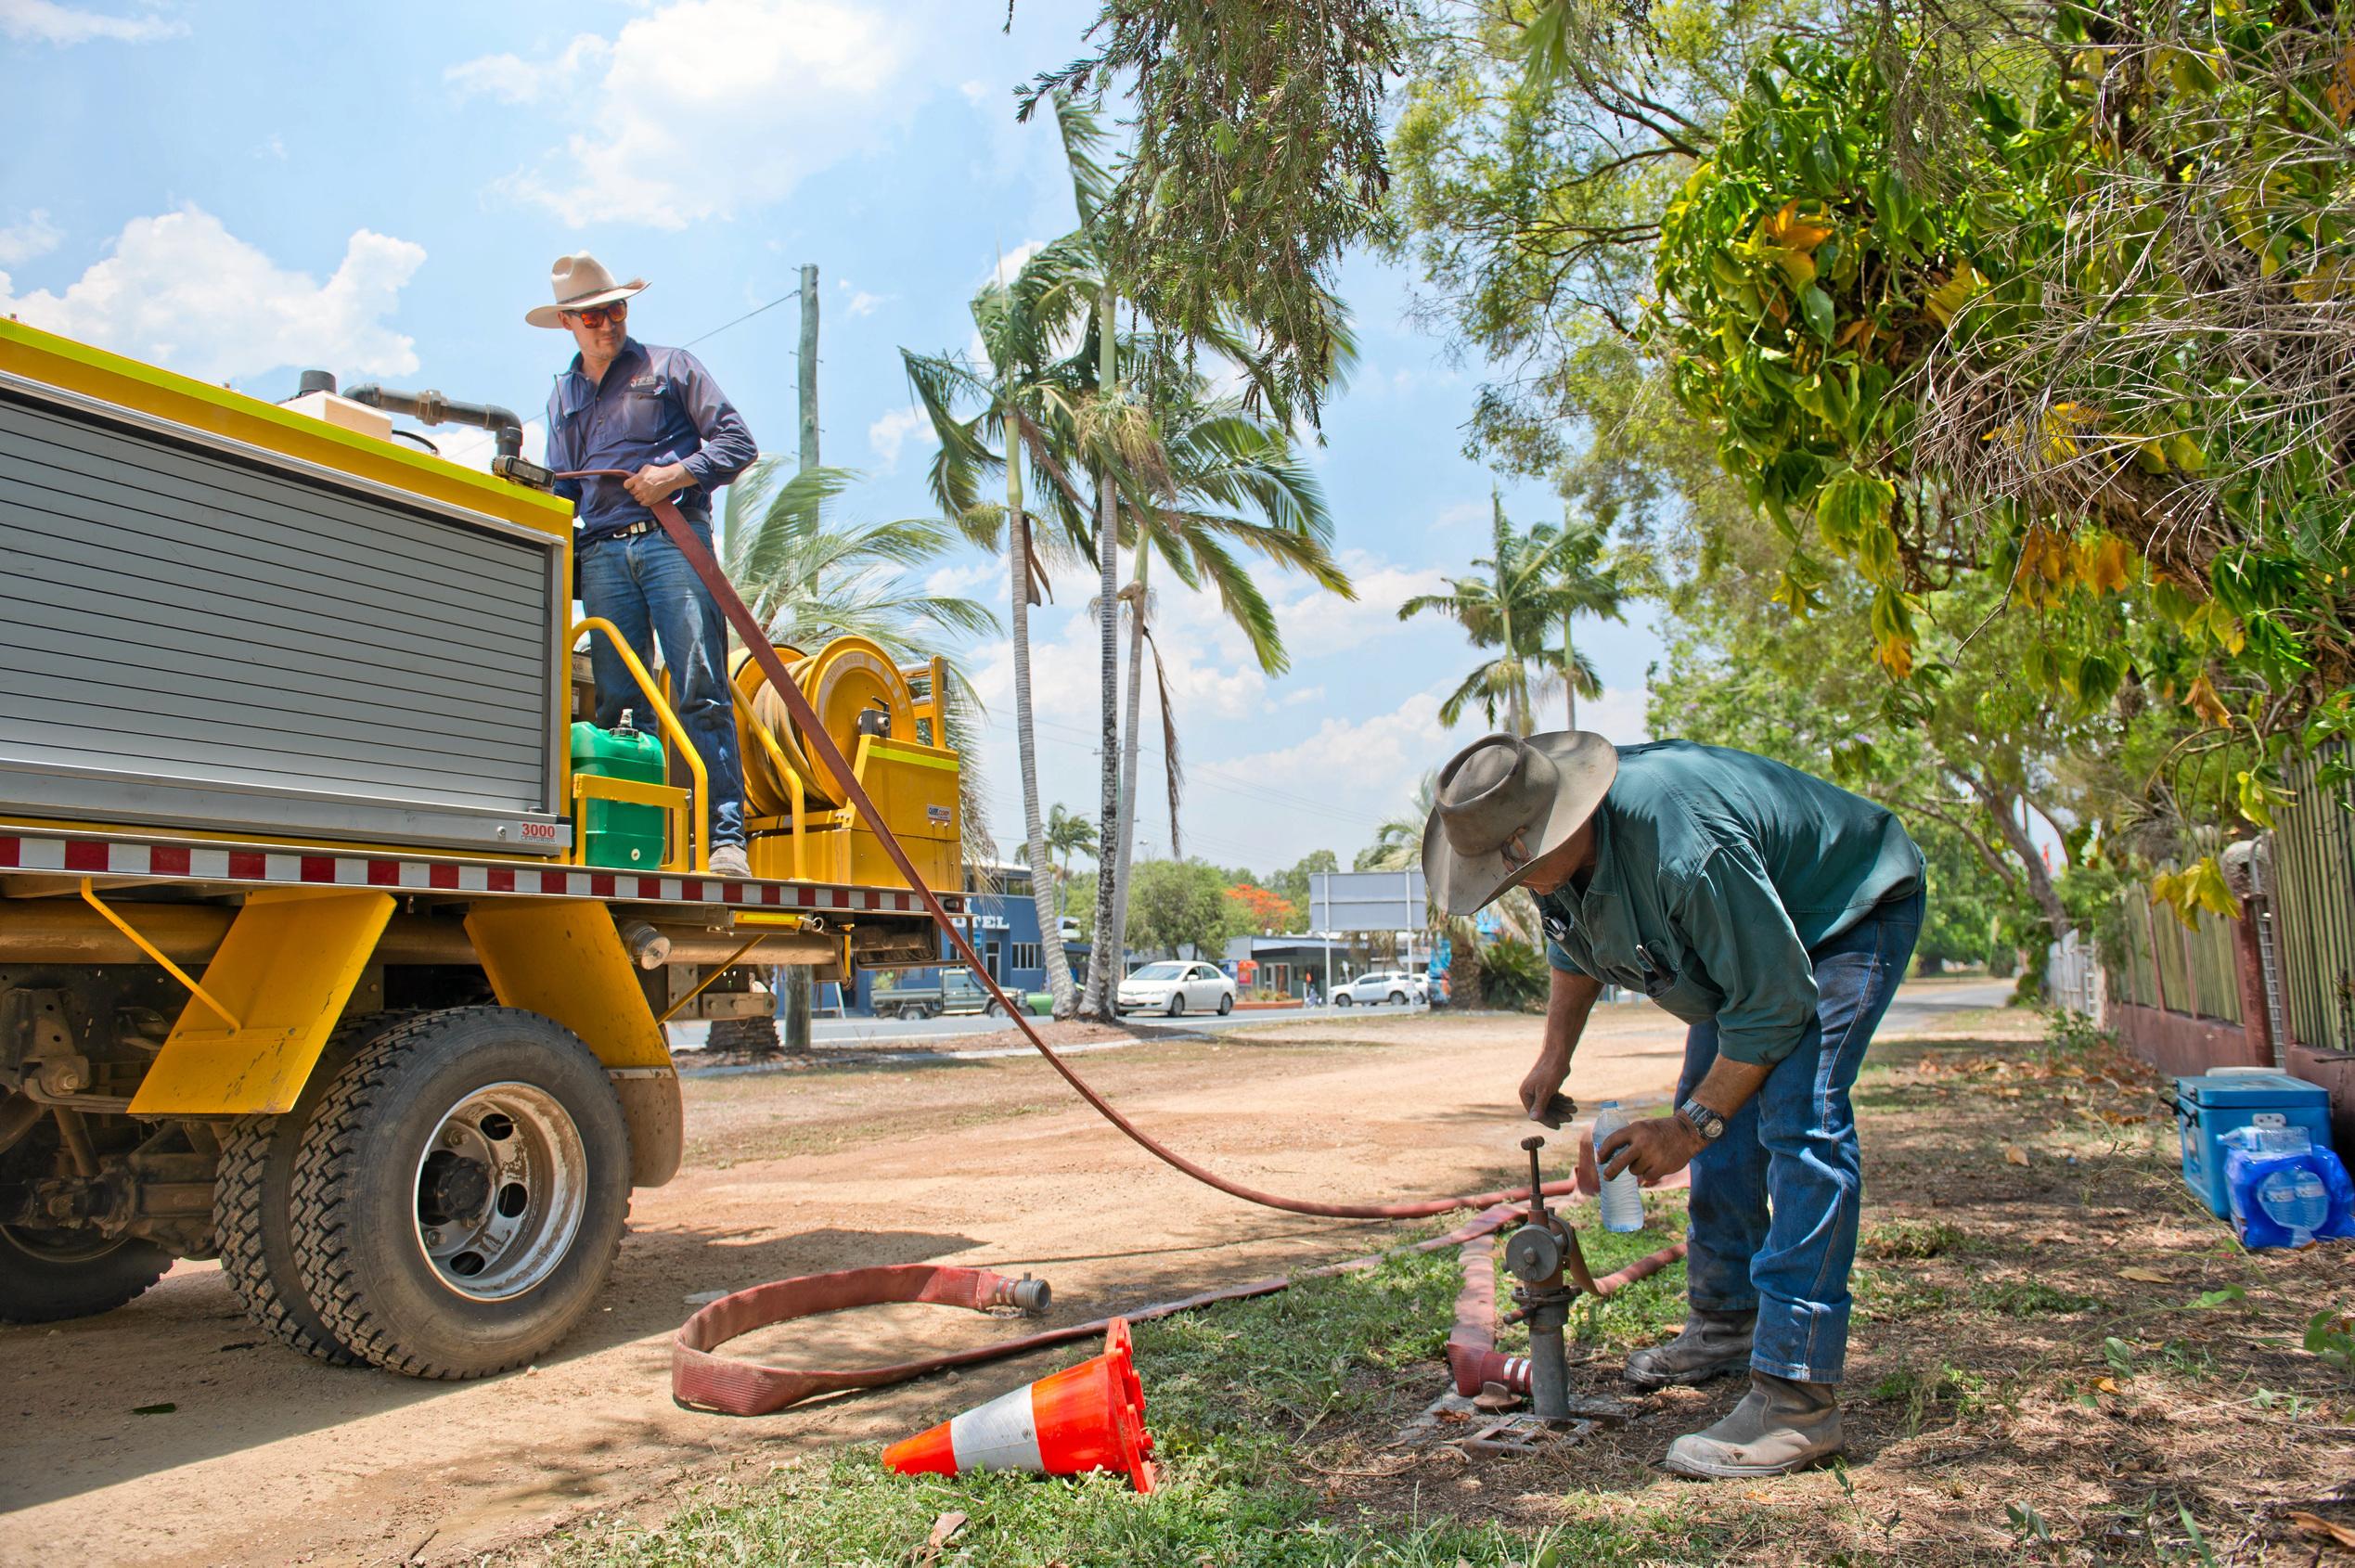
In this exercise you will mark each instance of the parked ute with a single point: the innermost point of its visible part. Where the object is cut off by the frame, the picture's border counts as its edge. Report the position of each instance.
(1377, 987)
(330, 944)
(959, 992)
(1176, 987)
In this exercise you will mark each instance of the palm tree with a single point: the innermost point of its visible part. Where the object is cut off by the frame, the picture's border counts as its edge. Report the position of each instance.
(1511, 610)
(1026, 398)
(1225, 479)
(1066, 831)
(1591, 578)
(811, 576)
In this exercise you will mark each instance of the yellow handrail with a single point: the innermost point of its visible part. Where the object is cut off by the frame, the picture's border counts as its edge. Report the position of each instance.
(677, 731)
(144, 945)
(669, 799)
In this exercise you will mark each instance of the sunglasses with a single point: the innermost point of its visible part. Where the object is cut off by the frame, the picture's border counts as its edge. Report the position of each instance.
(598, 316)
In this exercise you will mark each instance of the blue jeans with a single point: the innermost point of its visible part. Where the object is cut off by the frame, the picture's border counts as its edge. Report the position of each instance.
(646, 588)
(1775, 1199)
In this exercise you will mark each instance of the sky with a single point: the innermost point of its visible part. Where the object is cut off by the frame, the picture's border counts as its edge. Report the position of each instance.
(240, 190)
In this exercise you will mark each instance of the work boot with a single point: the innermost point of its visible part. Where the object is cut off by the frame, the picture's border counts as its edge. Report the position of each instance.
(1779, 1427)
(1713, 1344)
(729, 861)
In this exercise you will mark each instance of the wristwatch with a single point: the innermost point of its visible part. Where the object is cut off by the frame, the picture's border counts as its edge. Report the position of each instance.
(1707, 1123)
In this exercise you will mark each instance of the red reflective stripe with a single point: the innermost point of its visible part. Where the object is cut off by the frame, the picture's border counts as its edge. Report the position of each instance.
(441, 876)
(601, 884)
(9, 854)
(552, 881)
(500, 882)
(85, 856)
(166, 860)
(245, 866)
(384, 873)
(319, 868)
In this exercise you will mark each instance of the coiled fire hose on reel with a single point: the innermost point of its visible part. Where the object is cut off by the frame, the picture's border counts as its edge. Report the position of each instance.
(703, 1381)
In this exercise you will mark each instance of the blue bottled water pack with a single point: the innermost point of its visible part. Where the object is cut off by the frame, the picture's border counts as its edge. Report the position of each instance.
(2285, 1192)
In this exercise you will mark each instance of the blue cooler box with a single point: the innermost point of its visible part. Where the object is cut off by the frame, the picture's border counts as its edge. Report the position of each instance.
(2214, 1103)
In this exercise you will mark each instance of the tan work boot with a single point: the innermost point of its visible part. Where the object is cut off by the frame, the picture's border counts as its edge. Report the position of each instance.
(1779, 1427)
(1713, 1344)
(729, 861)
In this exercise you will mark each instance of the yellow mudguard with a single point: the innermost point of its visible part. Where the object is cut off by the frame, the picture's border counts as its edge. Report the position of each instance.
(563, 958)
(284, 972)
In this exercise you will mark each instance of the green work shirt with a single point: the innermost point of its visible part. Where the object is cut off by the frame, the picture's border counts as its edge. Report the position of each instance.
(1715, 871)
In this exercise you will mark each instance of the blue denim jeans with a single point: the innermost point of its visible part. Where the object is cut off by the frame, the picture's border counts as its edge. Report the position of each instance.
(645, 587)
(1775, 1199)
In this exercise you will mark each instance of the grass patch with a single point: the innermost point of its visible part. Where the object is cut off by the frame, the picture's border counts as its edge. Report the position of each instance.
(1918, 1238)
(2030, 1298)
(1241, 1397)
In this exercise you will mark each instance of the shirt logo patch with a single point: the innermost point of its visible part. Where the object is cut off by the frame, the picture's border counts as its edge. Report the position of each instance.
(646, 383)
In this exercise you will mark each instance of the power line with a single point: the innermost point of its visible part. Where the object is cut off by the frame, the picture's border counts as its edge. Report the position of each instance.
(742, 319)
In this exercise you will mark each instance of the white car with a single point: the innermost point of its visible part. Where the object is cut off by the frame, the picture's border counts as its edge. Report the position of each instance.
(1377, 987)
(1174, 986)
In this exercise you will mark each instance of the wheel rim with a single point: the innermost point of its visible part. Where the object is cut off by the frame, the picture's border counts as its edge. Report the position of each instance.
(60, 1246)
(500, 1190)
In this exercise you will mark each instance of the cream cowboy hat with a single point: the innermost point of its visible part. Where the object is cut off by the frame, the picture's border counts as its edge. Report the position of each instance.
(582, 283)
(1503, 804)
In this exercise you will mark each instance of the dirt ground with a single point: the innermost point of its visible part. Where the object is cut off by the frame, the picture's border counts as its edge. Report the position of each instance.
(264, 1456)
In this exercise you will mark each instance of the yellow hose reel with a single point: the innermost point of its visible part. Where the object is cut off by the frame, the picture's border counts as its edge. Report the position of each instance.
(867, 707)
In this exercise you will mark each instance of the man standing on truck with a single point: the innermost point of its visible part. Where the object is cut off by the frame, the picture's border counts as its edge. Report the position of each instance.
(1775, 915)
(658, 414)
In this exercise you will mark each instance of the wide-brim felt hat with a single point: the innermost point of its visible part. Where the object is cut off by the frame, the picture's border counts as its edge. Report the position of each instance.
(581, 283)
(1506, 802)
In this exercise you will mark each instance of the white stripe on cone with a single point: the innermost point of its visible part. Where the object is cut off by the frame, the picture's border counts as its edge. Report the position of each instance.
(1002, 1434)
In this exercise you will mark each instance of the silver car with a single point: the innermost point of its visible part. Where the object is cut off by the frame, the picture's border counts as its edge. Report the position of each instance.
(1176, 987)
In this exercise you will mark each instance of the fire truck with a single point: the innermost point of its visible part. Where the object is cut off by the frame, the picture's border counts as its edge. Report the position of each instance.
(335, 942)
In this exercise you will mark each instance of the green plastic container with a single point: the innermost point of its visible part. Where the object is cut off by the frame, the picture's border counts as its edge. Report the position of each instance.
(616, 833)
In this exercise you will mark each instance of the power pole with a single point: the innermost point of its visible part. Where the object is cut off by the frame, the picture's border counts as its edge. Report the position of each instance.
(793, 998)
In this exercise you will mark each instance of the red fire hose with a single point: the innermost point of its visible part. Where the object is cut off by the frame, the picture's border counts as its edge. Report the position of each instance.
(692, 1380)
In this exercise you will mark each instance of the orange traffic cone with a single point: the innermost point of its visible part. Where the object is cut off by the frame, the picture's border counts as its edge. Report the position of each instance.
(1091, 1417)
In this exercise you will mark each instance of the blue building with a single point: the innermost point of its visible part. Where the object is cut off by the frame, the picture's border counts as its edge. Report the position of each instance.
(1002, 924)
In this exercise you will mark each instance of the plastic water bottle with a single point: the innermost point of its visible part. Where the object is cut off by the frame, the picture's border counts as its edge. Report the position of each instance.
(1622, 1195)
(2295, 1200)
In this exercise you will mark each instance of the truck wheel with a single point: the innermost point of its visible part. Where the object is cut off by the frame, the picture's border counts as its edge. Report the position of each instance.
(252, 1211)
(49, 1276)
(460, 1191)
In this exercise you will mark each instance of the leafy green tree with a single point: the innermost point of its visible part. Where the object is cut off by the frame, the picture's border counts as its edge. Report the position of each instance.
(1067, 833)
(1291, 884)
(1174, 904)
(1258, 160)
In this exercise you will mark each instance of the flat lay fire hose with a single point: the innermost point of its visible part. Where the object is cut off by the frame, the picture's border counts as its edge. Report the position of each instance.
(696, 1376)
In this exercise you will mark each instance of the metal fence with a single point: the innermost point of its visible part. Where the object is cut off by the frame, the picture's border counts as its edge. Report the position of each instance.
(2179, 969)
(2313, 905)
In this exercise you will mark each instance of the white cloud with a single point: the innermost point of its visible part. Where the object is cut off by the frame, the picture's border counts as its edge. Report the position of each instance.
(1315, 622)
(1617, 714)
(272, 146)
(863, 303)
(797, 83)
(976, 91)
(513, 80)
(895, 429)
(45, 21)
(1305, 695)
(34, 236)
(474, 449)
(1011, 264)
(973, 579)
(1460, 515)
(179, 289)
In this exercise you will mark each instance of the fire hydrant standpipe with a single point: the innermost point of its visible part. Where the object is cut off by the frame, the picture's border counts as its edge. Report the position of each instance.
(1536, 1254)
(829, 756)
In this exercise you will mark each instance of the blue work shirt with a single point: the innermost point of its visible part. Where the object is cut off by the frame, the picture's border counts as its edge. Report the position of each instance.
(1716, 872)
(654, 406)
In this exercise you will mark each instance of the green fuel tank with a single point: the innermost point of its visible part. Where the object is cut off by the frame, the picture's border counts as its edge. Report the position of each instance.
(616, 833)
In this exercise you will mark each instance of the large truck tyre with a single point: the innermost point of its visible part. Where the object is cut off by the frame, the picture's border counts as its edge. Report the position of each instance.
(459, 1192)
(49, 1276)
(253, 1204)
